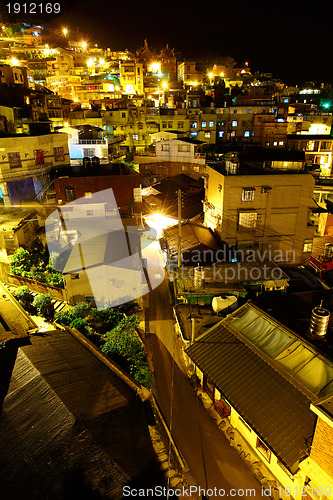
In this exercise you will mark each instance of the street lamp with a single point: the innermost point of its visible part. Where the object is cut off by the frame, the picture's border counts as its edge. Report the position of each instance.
(84, 45)
(65, 31)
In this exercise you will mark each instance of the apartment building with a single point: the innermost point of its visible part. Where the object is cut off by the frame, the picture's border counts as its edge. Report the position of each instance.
(170, 157)
(26, 163)
(318, 150)
(263, 210)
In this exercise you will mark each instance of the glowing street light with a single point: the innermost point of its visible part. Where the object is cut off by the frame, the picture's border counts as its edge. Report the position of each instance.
(65, 31)
(90, 63)
(165, 85)
(14, 61)
(84, 45)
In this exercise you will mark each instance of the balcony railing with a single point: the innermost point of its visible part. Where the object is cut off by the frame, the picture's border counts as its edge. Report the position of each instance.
(88, 141)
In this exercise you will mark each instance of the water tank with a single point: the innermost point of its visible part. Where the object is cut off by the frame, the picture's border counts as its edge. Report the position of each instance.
(199, 274)
(221, 303)
(328, 252)
(319, 321)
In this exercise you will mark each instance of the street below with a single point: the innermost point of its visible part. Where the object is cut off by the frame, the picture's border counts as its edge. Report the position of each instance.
(212, 461)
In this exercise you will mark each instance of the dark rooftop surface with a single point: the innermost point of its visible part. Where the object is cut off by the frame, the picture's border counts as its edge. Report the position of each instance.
(194, 236)
(81, 171)
(70, 427)
(294, 309)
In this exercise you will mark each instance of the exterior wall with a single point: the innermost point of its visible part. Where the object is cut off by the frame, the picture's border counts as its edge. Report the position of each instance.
(278, 214)
(21, 236)
(270, 461)
(31, 157)
(162, 169)
(78, 286)
(131, 77)
(123, 187)
(318, 152)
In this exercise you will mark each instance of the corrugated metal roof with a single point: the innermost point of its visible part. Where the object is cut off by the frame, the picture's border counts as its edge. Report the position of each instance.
(277, 411)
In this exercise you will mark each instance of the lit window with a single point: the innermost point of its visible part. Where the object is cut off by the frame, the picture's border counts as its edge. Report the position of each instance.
(281, 143)
(221, 133)
(194, 125)
(275, 143)
(234, 123)
(204, 124)
(247, 220)
(248, 194)
(184, 168)
(135, 137)
(307, 246)
(207, 135)
(184, 148)
(211, 124)
(196, 169)
(247, 133)
(165, 147)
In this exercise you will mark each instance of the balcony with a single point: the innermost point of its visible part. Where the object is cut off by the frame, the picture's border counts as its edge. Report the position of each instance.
(88, 141)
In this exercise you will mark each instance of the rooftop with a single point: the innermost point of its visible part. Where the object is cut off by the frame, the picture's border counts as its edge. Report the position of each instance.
(280, 376)
(98, 170)
(11, 218)
(69, 423)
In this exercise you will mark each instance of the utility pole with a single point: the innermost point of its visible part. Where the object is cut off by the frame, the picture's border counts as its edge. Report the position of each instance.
(179, 227)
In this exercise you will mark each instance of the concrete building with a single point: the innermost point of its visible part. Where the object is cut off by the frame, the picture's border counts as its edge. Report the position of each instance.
(260, 209)
(17, 229)
(26, 163)
(282, 408)
(172, 157)
(318, 150)
(131, 77)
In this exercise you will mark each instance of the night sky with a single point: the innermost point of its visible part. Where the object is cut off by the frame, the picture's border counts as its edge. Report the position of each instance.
(291, 39)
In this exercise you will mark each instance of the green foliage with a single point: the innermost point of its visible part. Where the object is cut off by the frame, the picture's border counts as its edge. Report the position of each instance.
(36, 265)
(24, 296)
(80, 324)
(142, 374)
(21, 261)
(43, 305)
(64, 317)
(123, 343)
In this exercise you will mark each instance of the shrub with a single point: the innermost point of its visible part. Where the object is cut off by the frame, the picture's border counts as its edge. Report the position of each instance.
(43, 305)
(24, 296)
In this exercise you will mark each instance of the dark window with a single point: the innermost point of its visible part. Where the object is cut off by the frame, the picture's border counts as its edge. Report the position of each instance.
(39, 156)
(70, 193)
(59, 154)
(14, 160)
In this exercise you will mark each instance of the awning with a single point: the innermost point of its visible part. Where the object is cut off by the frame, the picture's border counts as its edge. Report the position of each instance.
(276, 284)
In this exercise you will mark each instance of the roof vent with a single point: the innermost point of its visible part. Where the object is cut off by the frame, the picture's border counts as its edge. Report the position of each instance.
(319, 321)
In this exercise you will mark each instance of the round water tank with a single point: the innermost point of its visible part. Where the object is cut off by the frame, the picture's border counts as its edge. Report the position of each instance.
(319, 321)
(221, 303)
(328, 252)
(199, 274)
